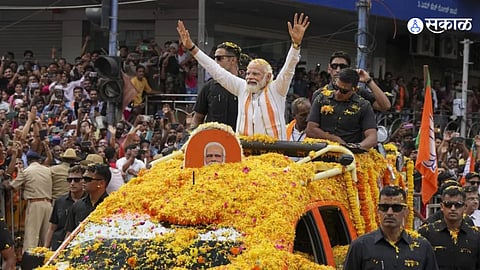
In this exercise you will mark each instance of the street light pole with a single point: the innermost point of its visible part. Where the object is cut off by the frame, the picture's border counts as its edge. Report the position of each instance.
(362, 44)
(113, 109)
(466, 55)
(112, 38)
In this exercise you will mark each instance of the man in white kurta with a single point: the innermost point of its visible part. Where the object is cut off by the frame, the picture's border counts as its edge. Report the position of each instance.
(261, 100)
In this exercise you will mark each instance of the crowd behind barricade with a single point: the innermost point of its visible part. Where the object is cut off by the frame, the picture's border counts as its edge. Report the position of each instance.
(52, 113)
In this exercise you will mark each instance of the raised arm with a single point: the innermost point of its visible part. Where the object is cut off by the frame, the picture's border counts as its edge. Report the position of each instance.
(381, 102)
(296, 31)
(300, 25)
(229, 81)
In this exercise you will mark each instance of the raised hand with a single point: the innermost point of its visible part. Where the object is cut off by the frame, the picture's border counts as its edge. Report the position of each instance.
(184, 35)
(300, 25)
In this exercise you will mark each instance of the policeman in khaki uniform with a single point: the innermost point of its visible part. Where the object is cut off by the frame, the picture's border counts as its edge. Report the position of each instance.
(60, 186)
(36, 181)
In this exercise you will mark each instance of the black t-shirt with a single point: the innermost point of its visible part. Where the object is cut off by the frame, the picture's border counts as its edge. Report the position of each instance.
(59, 217)
(80, 210)
(362, 91)
(346, 119)
(217, 104)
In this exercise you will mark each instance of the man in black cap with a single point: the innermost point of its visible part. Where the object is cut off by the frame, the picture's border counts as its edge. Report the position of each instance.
(36, 180)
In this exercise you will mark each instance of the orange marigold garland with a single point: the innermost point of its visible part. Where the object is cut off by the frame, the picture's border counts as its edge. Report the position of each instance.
(219, 196)
(410, 190)
(357, 219)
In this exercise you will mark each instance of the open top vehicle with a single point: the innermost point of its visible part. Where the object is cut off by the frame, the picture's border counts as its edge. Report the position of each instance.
(258, 211)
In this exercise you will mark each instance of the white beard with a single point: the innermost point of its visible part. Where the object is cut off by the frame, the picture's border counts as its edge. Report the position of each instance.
(255, 89)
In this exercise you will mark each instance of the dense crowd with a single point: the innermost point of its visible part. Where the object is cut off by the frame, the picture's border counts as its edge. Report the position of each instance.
(53, 113)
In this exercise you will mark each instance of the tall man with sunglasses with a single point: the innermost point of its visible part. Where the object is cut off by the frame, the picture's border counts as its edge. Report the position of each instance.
(214, 102)
(340, 60)
(456, 244)
(390, 246)
(261, 99)
(96, 179)
(341, 115)
(58, 219)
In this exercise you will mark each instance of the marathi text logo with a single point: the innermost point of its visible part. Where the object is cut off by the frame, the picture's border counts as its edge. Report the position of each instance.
(439, 25)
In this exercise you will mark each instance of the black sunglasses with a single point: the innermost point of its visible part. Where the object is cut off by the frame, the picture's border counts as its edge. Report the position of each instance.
(74, 179)
(396, 207)
(449, 204)
(342, 90)
(341, 66)
(89, 179)
(221, 57)
(474, 182)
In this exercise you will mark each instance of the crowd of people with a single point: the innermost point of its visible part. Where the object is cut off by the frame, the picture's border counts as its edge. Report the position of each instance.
(59, 155)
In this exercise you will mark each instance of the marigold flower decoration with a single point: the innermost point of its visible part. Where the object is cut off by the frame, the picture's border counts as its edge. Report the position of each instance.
(261, 197)
(326, 109)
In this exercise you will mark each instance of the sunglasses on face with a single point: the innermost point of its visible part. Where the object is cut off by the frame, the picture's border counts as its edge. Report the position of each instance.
(341, 66)
(342, 90)
(89, 179)
(221, 57)
(74, 179)
(449, 204)
(473, 183)
(396, 207)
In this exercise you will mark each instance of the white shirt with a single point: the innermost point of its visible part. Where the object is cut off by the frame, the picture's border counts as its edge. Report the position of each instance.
(476, 218)
(116, 181)
(136, 166)
(254, 115)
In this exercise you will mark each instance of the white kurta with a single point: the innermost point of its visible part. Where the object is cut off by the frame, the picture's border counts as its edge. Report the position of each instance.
(262, 113)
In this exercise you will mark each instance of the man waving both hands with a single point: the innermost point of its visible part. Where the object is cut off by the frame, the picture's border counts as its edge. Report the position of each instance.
(261, 100)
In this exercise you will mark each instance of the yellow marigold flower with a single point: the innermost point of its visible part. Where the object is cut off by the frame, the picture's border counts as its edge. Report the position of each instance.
(326, 109)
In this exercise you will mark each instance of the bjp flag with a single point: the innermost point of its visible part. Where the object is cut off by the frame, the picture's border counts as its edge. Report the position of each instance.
(426, 162)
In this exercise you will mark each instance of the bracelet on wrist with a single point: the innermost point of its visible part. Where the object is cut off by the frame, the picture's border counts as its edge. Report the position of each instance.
(368, 81)
(192, 48)
(296, 45)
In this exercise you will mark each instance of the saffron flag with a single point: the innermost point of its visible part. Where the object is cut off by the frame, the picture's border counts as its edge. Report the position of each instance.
(426, 162)
(469, 165)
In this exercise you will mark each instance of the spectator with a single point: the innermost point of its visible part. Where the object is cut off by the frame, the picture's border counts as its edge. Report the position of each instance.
(130, 165)
(142, 86)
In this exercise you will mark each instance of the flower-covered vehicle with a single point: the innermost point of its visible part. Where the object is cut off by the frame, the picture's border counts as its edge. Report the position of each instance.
(263, 211)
